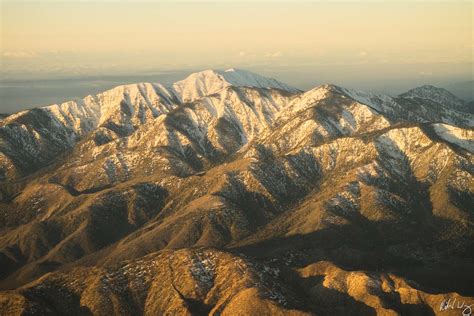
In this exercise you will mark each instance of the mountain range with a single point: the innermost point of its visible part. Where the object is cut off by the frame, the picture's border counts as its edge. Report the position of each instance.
(229, 193)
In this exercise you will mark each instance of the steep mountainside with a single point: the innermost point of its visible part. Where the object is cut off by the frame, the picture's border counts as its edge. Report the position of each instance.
(437, 95)
(231, 193)
(30, 139)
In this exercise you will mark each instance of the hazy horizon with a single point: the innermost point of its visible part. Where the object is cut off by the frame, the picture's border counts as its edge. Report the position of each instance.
(371, 45)
(23, 94)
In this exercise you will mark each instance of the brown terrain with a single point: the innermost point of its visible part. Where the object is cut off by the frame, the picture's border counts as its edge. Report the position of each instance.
(241, 201)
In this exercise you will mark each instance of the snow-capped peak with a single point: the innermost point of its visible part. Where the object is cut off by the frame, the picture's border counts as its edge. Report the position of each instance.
(435, 94)
(427, 91)
(208, 82)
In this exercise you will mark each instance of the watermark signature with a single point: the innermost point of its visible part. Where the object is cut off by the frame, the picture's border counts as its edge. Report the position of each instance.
(451, 304)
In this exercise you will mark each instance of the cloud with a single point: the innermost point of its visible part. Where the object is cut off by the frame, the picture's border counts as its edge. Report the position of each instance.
(19, 54)
(277, 54)
(363, 53)
(425, 73)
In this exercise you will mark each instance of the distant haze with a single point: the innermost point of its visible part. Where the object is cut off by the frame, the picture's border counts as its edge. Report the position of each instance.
(371, 45)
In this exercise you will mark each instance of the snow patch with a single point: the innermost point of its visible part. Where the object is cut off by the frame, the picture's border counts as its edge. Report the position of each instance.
(462, 137)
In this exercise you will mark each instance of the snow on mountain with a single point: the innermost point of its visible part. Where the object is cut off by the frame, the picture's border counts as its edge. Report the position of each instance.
(438, 95)
(408, 107)
(121, 111)
(80, 116)
(229, 109)
(135, 104)
(462, 137)
(211, 81)
(319, 115)
(378, 102)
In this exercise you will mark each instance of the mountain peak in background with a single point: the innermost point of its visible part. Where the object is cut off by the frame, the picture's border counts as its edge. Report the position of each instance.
(208, 82)
(438, 95)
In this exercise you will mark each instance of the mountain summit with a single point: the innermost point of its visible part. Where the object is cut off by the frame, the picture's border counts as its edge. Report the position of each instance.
(437, 95)
(208, 82)
(229, 193)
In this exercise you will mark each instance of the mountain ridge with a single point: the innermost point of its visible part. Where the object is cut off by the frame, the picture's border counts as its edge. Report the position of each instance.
(320, 187)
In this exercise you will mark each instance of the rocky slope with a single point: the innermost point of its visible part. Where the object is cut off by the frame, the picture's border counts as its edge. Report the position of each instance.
(439, 96)
(231, 193)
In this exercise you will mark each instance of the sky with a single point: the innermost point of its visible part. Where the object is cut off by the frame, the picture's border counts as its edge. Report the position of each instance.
(355, 43)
